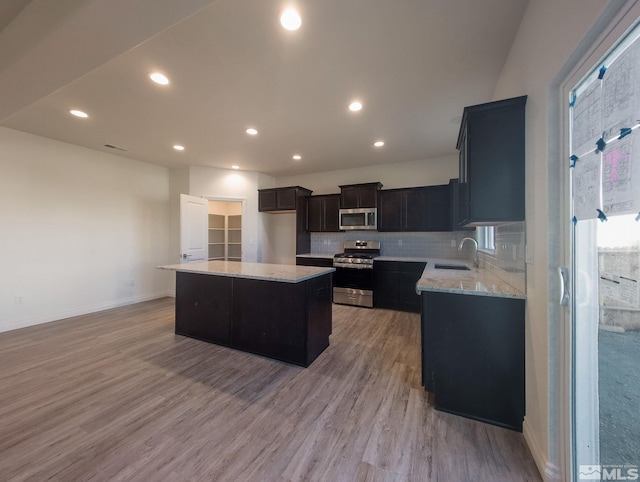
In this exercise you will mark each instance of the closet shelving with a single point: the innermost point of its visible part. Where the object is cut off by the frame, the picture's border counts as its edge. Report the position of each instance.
(225, 237)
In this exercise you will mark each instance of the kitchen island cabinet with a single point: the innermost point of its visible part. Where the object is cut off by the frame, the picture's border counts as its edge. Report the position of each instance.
(278, 311)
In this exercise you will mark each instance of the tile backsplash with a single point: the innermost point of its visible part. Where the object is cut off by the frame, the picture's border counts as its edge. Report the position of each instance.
(508, 261)
(433, 245)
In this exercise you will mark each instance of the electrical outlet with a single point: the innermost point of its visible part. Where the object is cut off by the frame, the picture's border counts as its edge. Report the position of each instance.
(453, 243)
(19, 300)
(399, 242)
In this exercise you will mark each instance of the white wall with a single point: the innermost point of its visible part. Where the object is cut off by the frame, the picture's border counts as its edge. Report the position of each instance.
(402, 174)
(549, 34)
(279, 245)
(80, 230)
(211, 182)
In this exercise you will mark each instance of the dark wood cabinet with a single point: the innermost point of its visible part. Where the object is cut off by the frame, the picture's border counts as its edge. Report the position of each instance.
(438, 217)
(280, 335)
(491, 145)
(391, 209)
(281, 198)
(394, 285)
(455, 201)
(415, 209)
(320, 262)
(200, 315)
(473, 356)
(303, 237)
(355, 196)
(267, 200)
(285, 321)
(323, 213)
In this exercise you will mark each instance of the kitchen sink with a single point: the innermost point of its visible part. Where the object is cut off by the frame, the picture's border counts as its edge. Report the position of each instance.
(459, 267)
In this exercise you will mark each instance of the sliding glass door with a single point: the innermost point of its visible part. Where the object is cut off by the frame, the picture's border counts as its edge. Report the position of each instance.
(605, 269)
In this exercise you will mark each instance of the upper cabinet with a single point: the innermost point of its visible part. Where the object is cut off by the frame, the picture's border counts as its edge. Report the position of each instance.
(355, 196)
(492, 170)
(454, 199)
(281, 198)
(438, 216)
(294, 199)
(323, 213)
(415, 209)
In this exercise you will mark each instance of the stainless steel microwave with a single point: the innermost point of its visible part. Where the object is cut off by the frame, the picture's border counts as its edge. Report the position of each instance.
(359, 219)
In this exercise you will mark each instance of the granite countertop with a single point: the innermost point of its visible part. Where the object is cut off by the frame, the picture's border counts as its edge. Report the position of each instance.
(481, 282)
(406, 259)
(261, 271)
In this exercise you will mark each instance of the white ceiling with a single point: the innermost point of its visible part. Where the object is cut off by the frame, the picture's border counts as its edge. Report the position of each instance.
(414, 64)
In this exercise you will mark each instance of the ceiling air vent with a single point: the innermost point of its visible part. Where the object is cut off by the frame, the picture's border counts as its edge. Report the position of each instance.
(111, 146)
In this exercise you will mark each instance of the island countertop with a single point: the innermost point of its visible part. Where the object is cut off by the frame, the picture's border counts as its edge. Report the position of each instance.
(261, 271)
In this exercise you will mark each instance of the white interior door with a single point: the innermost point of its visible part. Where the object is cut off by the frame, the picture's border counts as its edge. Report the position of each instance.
(194, 215)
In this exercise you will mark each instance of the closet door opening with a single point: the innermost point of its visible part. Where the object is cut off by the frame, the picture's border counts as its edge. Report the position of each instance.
(225, 231)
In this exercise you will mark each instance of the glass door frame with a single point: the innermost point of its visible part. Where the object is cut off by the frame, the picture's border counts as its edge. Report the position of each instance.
(618, 18)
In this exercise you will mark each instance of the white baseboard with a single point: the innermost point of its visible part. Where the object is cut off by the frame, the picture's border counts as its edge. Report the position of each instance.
(85, 310)
(548, 471)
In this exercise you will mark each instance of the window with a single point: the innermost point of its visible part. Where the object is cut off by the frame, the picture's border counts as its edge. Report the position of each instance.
(486, 238)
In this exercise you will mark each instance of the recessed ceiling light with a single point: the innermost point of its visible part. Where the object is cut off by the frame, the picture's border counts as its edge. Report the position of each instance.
(79, 113)
(378, 143)
(159, 78)
(251, 131)
(297, 157)
(290, 19)
(178, 147)
(355, 106)
(235, 167)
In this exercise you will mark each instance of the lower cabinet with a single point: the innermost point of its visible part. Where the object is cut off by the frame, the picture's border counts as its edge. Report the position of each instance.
(473, 356)
(286, 321)
(280, 335)
(394, 285)
(195, 305)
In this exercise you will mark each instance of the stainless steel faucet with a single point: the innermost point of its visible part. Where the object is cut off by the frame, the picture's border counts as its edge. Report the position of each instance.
(476, 261)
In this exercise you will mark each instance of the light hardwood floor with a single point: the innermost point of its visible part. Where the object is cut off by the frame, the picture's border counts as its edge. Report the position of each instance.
(117, 395)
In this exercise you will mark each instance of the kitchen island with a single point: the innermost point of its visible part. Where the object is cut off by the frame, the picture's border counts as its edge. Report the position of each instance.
(278, 311)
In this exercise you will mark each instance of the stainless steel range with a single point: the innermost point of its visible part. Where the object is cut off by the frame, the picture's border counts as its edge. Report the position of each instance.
(353, 279)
